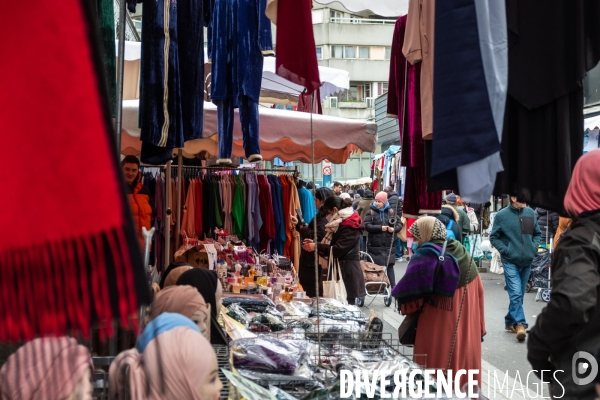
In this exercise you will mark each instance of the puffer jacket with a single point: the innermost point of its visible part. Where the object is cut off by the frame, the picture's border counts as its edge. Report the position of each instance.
(547, 219)
(142, 206)
(570, 323)
(363, 206)
(379, 242)
(306, 269)
(393, 202)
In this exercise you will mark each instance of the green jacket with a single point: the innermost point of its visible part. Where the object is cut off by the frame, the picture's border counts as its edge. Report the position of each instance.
(516, 235)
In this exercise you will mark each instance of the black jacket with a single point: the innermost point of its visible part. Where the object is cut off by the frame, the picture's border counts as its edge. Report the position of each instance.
(571, 321)
(545, 219)
(306, 269)
(378, 245)
(345, 244)
(393, 202)
(449, 213)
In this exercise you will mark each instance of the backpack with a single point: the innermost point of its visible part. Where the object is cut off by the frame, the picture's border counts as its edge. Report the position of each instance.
(449, 233)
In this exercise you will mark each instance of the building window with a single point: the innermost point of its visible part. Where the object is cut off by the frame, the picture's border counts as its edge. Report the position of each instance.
(383, 88)
(335, 14)
(364, 91)
(388, 53)
(319, 53)
(337, 51)
(363, 52)
(591, 87)
(349, 52)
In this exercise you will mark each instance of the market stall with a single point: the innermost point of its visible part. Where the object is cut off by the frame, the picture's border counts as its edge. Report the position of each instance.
(283, 134)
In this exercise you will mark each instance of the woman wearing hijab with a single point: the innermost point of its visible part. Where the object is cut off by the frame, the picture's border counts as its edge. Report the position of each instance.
(48, 368)
(306, 269)
(177, 268)
(382, 232)
(171, 361)
(342, 234)
(208, 285)
(184, 300)
(441, 300)
(570, 323)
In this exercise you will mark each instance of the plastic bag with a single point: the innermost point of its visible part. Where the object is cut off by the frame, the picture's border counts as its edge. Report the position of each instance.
(238, 313)
(256, 303)
(275, 324)
(268, 354)
(496, 264)
(234, 329)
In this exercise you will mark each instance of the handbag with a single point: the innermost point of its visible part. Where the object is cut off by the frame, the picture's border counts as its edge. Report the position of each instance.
(407, 331)
(334, 288)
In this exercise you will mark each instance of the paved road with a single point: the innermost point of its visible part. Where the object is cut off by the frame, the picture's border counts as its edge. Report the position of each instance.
(501, 350)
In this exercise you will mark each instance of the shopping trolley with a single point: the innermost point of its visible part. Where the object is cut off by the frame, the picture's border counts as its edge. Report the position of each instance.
(377, 282)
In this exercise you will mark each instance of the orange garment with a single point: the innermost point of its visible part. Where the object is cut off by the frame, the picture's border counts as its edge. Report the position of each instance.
(142, 209)
(435, 331)
(418, 47)
(294, 205)
(563, 224)
(188, 215)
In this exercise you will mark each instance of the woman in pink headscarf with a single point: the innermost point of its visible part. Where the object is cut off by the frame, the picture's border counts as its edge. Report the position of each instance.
(48, 368)
(171, 361)
(571, 322)
(184, 300)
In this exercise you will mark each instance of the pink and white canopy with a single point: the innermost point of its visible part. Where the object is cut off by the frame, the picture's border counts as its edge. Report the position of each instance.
(283, 134)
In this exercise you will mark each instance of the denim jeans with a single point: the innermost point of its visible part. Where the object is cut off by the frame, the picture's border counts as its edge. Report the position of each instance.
(400, 246)
(248, 110)
(516, 284)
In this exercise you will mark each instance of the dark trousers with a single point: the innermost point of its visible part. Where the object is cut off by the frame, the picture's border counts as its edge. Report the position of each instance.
(248, 110)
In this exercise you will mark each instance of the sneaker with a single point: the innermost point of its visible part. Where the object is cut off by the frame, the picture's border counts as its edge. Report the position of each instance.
(521, 334)
(510, 329)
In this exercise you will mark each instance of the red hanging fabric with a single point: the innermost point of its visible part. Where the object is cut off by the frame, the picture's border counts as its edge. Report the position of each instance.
(68, 250)
(304, 102)
(296, 55)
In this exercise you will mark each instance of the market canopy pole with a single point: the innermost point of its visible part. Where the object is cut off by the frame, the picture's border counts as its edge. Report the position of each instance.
(120, 69)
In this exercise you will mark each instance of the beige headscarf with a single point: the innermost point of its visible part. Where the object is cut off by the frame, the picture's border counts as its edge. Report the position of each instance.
(46, 368)
(426, 229)
(184, 300)
(173, 366)
(171, 279)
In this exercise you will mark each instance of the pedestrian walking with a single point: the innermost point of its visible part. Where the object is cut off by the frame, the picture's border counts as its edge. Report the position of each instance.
(516, 235)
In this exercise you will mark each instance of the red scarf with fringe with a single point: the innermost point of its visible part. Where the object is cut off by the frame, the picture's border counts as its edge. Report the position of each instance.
(68, 254)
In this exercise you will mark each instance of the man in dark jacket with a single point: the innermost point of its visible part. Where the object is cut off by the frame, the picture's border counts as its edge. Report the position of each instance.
(363, 206)
(516, 235)
(548, 222)
(393, 200)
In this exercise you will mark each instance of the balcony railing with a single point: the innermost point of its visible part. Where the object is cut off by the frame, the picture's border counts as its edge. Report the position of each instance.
(361, 21)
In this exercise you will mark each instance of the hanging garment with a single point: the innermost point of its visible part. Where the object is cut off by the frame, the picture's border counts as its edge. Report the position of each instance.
(543, 126)
(469, 98)
(172, 76)
(286, 199)
(188, 217)
(198, 208)
(307, 204)
(296, 58)
(72, 261)
(237, 211)
(243, 35)
(267, 231)
(249, 207)
(217, 203)
(294, 203)
(418, 48)
(417, 200)
(304, 102)
(106, 26)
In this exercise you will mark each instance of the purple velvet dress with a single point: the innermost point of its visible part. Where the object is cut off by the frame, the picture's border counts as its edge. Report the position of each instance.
(404, 103)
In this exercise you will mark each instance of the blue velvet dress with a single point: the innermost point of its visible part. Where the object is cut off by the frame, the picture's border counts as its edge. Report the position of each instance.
(239, 37)
(172, 75)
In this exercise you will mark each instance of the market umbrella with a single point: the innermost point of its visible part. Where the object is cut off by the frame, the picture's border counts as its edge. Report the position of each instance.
(283, 134)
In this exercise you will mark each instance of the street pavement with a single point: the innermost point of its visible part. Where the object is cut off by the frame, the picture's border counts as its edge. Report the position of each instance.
(502, 353)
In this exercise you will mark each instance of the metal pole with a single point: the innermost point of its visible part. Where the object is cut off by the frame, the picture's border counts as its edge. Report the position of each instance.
(178, 205)
(167, 214)
(120, 69)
